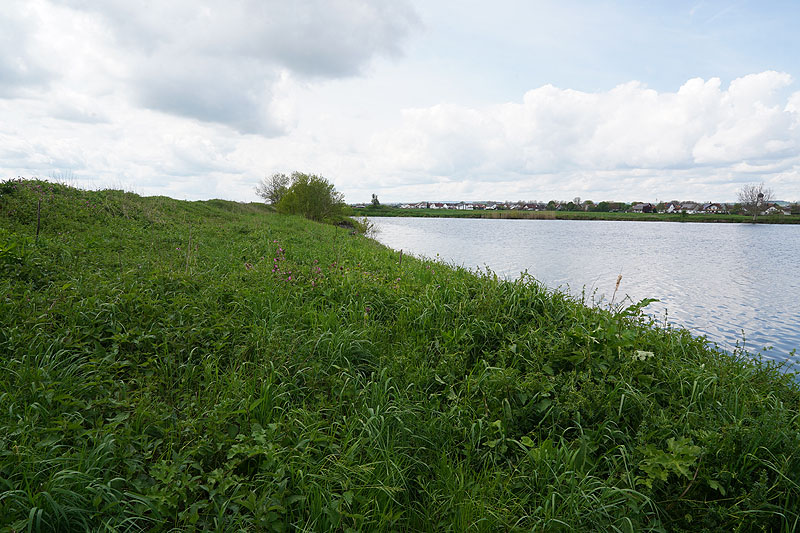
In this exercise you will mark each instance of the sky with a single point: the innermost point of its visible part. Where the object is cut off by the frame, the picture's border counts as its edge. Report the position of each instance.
(408, 99)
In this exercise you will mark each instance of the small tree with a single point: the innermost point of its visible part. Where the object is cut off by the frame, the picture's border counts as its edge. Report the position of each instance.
(753, 198)
(272, 188)
(375, 202)
(312, 196)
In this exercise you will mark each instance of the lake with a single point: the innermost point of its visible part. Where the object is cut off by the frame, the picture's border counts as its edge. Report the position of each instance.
(733, 283)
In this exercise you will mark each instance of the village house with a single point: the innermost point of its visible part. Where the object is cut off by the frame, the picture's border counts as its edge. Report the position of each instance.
(639, 207)
(418, 205)
(642, 208)
(715, 208)
(775, 209)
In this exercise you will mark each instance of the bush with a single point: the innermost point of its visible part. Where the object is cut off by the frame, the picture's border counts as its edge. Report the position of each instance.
(312, 196)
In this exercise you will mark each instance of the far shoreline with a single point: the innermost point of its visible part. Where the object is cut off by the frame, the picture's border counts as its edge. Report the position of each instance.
(573, 215)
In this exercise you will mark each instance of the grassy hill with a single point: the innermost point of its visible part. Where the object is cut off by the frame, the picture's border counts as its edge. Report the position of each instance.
(215, 366)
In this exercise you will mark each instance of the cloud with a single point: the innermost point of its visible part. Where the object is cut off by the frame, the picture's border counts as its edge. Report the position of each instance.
(629, 130)
(219, 62)
(223, 62)
(199, 99)
(21, 66)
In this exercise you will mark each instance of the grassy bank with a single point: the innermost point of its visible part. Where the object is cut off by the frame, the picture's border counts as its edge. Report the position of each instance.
(214, 366)
(385, 211)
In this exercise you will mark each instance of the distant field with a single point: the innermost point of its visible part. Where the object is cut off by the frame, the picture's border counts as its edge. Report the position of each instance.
(572, 215)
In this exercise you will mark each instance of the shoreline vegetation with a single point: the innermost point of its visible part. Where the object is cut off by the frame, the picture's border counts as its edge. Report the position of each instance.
(213, 365)
(515, 214)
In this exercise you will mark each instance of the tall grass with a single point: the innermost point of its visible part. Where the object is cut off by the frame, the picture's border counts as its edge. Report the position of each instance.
(213, 366)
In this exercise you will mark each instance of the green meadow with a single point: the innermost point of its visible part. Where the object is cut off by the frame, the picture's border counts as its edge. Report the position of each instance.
(214, 366)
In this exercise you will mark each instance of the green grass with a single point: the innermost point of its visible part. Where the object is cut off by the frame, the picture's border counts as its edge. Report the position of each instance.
(385, 211)
(169, 365)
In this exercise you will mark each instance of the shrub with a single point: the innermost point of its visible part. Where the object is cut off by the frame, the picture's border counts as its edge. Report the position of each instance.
(312, 196)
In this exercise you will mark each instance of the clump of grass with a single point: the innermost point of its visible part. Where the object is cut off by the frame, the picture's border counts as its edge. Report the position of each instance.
(278, 374)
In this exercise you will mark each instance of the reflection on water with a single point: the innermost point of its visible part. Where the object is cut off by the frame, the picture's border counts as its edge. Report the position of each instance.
(718, 280)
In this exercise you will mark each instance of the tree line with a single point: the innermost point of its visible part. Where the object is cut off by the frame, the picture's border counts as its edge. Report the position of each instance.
(315, 198)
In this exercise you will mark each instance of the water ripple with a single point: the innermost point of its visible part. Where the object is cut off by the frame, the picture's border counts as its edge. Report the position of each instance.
(717, 280)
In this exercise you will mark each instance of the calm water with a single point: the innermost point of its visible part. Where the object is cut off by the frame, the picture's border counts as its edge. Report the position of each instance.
(717, 280)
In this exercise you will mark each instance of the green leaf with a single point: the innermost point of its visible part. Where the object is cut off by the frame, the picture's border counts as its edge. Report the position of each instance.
(256, 403)
(716, 486)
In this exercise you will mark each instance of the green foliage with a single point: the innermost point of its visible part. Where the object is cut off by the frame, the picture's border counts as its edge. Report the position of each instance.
(364, 226)
(273, 188)
(15, 251)
(313, 197)
(679, 459)
(170, 365)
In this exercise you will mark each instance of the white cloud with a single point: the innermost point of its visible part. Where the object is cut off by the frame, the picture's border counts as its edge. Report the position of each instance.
(224, 62)
(22, 66)
(220, 62)
(199, 99)
(739, 132)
